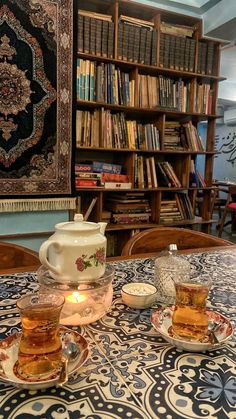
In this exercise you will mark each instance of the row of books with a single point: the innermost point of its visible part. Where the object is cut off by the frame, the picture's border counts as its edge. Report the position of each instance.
(102, 128)
(150, 174)
(177, 52)
(137, 41)
(203, 98)
(103, 82)
(95, 33)
(163, 92)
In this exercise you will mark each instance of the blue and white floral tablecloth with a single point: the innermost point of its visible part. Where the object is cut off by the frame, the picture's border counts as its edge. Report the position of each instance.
(132, 372)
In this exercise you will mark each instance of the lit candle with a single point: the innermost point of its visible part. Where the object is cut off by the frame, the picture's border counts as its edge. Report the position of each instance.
(76, 297)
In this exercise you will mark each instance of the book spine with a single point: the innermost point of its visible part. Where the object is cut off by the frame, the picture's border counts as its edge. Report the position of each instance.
(143, 33)
(117, 185)
(162, 48)
(166, 51)
(86, 34)
(110, 46)
(210, 57)
(154, 48)
(80, 40)
(106, 167)
(85, 183)
(120, 41)
(130, 52)
(104, 38)
(92, 46)
(125, 41)
(172, 51)
(136, 46)
(148, 45)
(192, 47)
(98, 38)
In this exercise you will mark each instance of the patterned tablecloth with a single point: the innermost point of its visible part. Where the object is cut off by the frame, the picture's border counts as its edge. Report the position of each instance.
(131, 371)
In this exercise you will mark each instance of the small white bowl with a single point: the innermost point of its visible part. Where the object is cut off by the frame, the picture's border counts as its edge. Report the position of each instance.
(138, 294)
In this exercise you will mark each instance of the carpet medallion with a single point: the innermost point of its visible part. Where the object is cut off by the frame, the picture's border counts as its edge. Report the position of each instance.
(36, 80)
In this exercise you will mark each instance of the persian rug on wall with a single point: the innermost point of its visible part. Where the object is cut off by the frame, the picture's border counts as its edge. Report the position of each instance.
(36, 78)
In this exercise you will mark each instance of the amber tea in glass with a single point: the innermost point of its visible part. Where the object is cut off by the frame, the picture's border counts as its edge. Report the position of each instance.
(189, 319)
(40, 346)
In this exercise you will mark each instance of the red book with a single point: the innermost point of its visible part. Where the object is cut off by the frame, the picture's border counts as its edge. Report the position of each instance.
(85, 182)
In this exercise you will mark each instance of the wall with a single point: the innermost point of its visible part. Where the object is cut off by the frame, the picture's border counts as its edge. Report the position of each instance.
(225, 143)
(30, 222)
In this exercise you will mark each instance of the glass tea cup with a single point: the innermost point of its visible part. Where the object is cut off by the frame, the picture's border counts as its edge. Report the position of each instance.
(190, 320)
(40, 348)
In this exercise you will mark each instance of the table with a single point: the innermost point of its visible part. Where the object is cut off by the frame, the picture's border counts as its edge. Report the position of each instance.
(132, 372)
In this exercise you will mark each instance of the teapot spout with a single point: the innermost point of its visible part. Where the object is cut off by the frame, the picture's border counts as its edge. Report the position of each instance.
(102, 227)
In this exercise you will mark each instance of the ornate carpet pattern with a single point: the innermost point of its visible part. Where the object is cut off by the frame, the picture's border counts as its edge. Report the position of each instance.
(36, 97)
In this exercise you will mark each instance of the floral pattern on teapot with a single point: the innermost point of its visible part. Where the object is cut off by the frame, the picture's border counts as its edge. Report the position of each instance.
(98, 258)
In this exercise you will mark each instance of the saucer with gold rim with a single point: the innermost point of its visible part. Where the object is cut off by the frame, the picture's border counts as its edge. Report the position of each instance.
(161, 320)
(9, 354)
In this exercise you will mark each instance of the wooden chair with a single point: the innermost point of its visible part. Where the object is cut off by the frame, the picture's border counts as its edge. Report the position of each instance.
(230, 207)
(157, 239)
(15, 258)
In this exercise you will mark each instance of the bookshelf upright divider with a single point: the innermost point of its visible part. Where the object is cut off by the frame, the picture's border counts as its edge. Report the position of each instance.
(145, 79)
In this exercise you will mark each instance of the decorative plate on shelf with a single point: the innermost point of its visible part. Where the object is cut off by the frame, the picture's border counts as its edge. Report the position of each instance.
(9, 354)
(161, 320)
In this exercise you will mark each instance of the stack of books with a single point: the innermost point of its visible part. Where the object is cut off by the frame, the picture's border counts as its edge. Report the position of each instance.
(169, 211)
(129, 208)
(172, 136)
(100, 174)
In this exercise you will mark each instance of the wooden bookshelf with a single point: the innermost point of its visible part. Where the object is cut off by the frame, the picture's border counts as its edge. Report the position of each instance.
(145, 79)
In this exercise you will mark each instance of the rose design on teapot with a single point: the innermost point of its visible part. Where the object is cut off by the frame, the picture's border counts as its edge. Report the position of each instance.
(98, 258)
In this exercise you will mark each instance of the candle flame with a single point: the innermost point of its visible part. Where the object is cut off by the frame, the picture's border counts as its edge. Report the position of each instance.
(76, 297)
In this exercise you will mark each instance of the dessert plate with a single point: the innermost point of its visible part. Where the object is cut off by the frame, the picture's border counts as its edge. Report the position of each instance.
(161, 320)
(9, 354)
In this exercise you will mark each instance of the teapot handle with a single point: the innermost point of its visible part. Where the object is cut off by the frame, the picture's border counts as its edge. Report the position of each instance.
(43, 255)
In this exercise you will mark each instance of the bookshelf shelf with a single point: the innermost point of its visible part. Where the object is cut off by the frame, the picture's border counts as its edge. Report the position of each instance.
(152, 70)
(145, 79)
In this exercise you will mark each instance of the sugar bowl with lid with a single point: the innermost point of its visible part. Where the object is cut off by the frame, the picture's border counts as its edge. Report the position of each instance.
(76, 252)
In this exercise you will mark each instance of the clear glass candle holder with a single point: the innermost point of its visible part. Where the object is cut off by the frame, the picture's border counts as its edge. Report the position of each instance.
(84, 303)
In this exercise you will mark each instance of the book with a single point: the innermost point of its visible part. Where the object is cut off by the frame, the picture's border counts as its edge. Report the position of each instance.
(131, 218)
(117, 185)
(86, 183)
(114, 177)
(103, 167)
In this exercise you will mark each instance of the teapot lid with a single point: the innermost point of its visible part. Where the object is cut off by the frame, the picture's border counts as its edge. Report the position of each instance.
(79, 224)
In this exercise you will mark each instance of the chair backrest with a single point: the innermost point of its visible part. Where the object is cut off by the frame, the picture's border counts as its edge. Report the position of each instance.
(15, 258)
(157, 239)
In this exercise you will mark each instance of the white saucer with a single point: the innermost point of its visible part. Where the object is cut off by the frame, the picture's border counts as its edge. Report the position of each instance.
(161, 320)
(9, 354)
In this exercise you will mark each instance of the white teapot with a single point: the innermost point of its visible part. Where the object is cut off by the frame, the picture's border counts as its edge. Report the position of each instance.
(76, 252)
